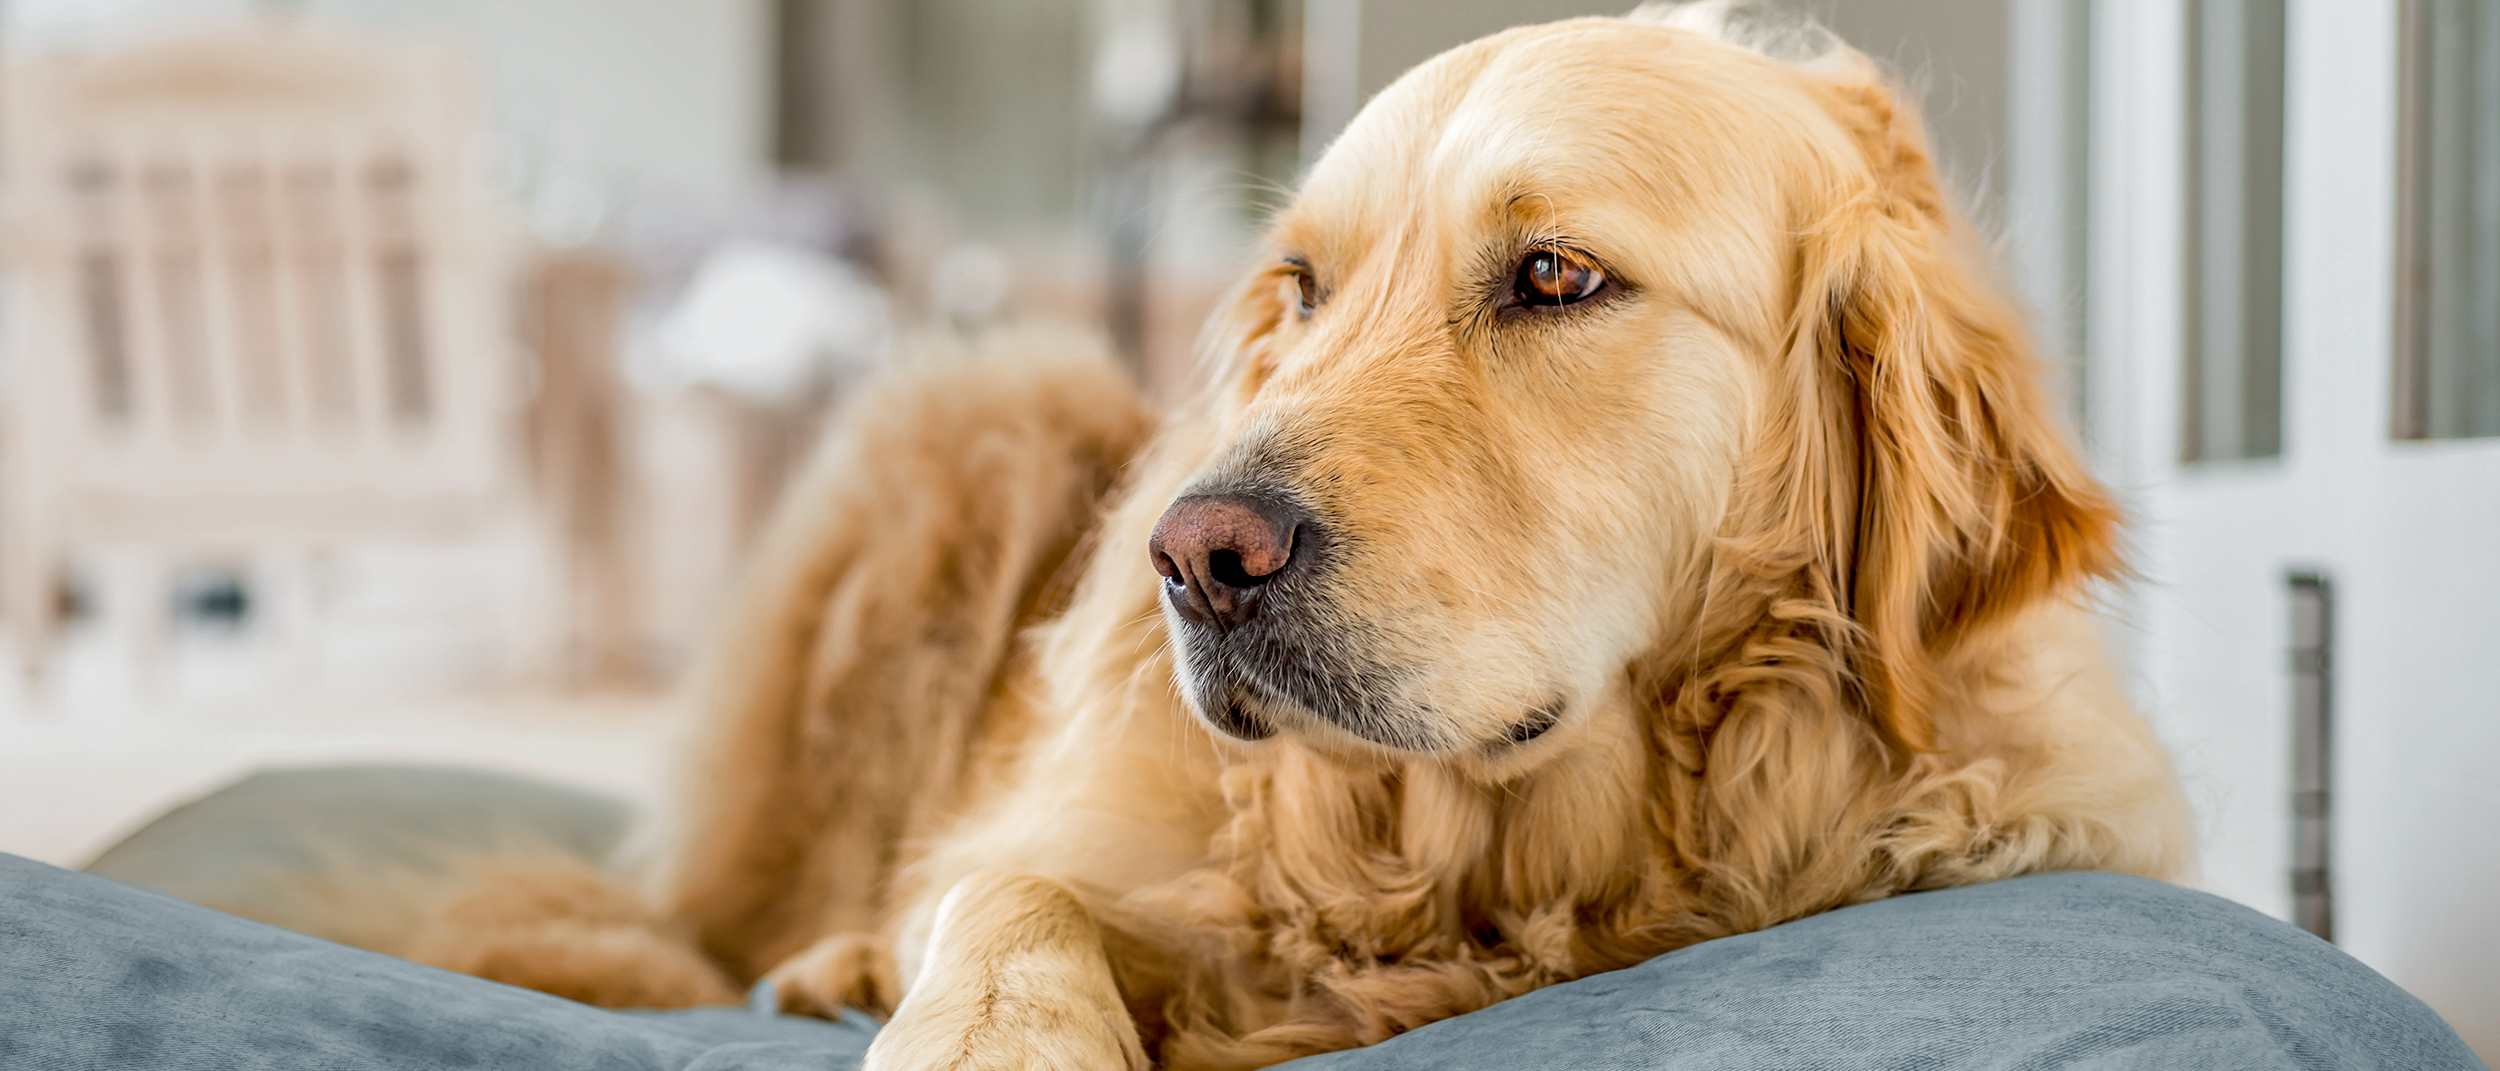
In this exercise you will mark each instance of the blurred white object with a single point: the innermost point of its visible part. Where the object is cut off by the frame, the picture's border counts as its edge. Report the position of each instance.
(258, 321)
(1137, 68)
(968, 284)
(766, 320)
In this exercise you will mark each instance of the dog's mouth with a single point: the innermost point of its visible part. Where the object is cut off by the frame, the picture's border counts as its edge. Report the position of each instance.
(1255, 703)
(1252, 702)
(1236, 715)
(1539, 722)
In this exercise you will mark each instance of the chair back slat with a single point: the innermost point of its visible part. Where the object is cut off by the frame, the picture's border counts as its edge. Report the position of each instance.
(316, 260)
(399, 270)
(101, 288)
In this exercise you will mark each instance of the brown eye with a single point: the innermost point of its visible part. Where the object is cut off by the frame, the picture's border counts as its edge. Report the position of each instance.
(1554, 277)
(1297, 290)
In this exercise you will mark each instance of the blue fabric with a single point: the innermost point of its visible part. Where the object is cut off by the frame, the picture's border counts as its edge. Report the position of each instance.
(100, 976)
(2058, 971)
(2053, 971)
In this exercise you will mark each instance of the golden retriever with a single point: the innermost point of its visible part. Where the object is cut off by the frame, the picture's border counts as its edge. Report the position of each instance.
(1619, 513)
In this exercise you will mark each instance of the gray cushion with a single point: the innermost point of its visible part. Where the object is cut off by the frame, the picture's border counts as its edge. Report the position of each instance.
(242, 847)
(2053, 971)
(99, 975)
(2064, 970)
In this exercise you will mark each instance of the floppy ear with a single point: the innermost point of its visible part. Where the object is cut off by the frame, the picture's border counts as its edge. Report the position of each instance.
(1968, 502)
(1231, 353)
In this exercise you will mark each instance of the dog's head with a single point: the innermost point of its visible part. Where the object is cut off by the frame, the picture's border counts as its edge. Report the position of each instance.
(1581, 339)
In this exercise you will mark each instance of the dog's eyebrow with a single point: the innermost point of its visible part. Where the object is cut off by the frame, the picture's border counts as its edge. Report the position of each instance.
(1536, 212)
(1522, 193)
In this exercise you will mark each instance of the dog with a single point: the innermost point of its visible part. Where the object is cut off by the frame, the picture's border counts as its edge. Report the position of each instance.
(1618, 512)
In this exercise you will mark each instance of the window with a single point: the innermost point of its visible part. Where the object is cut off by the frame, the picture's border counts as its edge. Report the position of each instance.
(2448, 300)
(2234, 346)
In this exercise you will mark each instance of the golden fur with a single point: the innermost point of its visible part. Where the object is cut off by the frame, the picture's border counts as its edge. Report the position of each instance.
(1782, 529)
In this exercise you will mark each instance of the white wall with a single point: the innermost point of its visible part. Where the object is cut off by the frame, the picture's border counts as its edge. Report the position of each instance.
(611, 98)
(2409, 532)
(638, 94)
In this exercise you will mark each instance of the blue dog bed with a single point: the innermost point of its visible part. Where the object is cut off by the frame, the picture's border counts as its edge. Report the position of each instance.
(2053, 971)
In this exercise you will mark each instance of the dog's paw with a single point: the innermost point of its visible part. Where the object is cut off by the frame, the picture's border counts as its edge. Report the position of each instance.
(1023, 1028)
(1015, 979)
(845, 970)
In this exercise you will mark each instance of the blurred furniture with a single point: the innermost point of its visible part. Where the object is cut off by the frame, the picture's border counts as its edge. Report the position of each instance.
(254, 315)
(570, 311)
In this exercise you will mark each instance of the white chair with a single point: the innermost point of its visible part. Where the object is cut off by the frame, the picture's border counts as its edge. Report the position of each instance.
(255, 314)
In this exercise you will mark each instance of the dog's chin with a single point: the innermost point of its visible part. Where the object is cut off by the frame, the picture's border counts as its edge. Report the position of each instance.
(1235, 715)
(1244, 715)
(1249, 714)
(1262, 682)
(1265, 680)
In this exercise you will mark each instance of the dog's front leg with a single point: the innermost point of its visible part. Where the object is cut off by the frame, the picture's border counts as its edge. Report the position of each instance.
(1015, 977)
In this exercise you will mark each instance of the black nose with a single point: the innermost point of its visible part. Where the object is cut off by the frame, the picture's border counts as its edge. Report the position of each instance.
(1218, 552)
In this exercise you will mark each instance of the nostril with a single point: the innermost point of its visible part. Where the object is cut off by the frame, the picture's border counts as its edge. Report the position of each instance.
(1164, 564)
(1224, 567)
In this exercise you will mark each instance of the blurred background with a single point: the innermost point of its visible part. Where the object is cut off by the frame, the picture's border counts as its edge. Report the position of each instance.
(405, 379)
